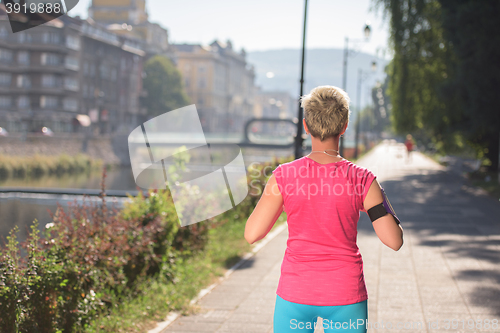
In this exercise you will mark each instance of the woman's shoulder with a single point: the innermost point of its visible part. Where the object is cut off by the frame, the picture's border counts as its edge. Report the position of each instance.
(294, 163)
(360, 171)
(357, 166)
(352, 170)
(289, 168)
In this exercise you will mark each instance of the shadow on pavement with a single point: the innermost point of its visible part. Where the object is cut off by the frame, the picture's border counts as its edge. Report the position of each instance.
(441, 212)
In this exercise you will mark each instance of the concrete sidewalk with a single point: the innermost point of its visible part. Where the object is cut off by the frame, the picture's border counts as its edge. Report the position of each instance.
(445, 278)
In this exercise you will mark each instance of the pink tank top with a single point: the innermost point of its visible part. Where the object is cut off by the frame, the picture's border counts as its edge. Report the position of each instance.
(322, 263)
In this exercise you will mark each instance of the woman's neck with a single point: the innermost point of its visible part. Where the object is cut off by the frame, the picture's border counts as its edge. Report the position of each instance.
(330, 145)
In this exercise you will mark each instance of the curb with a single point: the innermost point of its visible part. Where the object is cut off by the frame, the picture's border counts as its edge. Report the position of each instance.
(172, 316)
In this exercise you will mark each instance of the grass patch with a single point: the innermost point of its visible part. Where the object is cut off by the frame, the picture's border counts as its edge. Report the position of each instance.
(436, 157)
(157, 297)
(39, 165)
(487, 181)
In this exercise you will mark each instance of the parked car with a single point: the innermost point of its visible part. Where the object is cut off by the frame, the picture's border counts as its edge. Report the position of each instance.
(3, 132)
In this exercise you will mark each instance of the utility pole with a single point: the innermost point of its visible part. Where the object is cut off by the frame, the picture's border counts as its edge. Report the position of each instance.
(361, 77)
(344, 87)
(299, 139)
(358, 116)
(367, 32)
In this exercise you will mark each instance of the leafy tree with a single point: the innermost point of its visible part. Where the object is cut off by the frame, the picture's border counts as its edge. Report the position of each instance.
(163, 83)
(419, 68)
(444, 73)
(471, 26)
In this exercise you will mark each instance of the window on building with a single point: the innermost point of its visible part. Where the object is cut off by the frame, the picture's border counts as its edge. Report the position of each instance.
(72, 63)
(21, 37)
(201, 69)
(187, 82)
(71, 83)
(123, 99)
(23, 81)
(73, 42)
(47, 102)
(49, 80)
(24, 37)
(202, 83)
(6, 55)
(85, 90)
(105, 71)
(23, 102)
(5, 79)
(51, 38)
(23, 58)
(3, 32)
(5, 102)
(70, 104)
(50, 59)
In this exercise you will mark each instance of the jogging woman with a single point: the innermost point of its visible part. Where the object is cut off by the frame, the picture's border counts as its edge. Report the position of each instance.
(322, 194)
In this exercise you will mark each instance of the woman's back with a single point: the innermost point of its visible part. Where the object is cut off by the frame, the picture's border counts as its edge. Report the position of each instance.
(322, 263)
(322, 271)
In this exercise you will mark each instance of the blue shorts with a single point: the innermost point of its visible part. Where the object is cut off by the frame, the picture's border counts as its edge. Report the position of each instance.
(295, 317)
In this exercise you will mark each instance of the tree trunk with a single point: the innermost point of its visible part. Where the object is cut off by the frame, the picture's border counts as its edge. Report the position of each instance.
(493, 151)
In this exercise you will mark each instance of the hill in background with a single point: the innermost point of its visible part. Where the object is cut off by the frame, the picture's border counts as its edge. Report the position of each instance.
(323, 67)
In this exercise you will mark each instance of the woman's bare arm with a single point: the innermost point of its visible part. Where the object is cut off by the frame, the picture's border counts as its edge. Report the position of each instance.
(386, 228)
(265, 214)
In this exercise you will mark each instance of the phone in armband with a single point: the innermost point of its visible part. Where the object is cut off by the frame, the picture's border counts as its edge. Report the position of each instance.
(382, 209)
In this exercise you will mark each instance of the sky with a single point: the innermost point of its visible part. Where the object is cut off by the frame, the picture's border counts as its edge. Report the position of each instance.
(258, 25)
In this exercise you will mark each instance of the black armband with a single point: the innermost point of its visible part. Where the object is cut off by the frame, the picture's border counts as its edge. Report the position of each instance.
(382, 209)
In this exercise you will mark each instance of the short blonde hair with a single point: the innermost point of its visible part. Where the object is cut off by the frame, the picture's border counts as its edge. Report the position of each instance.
(326, 111)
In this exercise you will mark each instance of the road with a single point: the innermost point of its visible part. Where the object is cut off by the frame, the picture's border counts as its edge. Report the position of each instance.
(445, 278)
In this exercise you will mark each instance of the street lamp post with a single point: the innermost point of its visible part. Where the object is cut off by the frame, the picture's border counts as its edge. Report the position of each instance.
(299, 139)
(361, 77)
(367, 31)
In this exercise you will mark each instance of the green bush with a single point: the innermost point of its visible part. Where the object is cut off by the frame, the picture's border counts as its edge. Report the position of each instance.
(92, 257)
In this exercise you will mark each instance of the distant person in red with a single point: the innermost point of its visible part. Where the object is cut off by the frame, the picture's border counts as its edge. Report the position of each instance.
(409, 147)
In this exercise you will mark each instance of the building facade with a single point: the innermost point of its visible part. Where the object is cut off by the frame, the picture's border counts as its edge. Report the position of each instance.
(111, 78)
(118, 11)
(220, 82)
(51, 75)
(130, 18)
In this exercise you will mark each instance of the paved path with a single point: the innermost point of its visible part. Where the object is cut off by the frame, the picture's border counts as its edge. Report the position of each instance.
(448, 268)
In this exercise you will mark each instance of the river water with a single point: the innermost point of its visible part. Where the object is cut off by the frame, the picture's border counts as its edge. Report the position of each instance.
(21, 210)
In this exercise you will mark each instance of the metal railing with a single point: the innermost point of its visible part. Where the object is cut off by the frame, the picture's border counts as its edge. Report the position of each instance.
(250, 140)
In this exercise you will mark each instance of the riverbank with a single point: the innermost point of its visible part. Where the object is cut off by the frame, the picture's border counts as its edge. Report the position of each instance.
(41, 165)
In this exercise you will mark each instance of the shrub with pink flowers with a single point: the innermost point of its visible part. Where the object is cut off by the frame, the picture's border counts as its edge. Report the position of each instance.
(92, 255)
